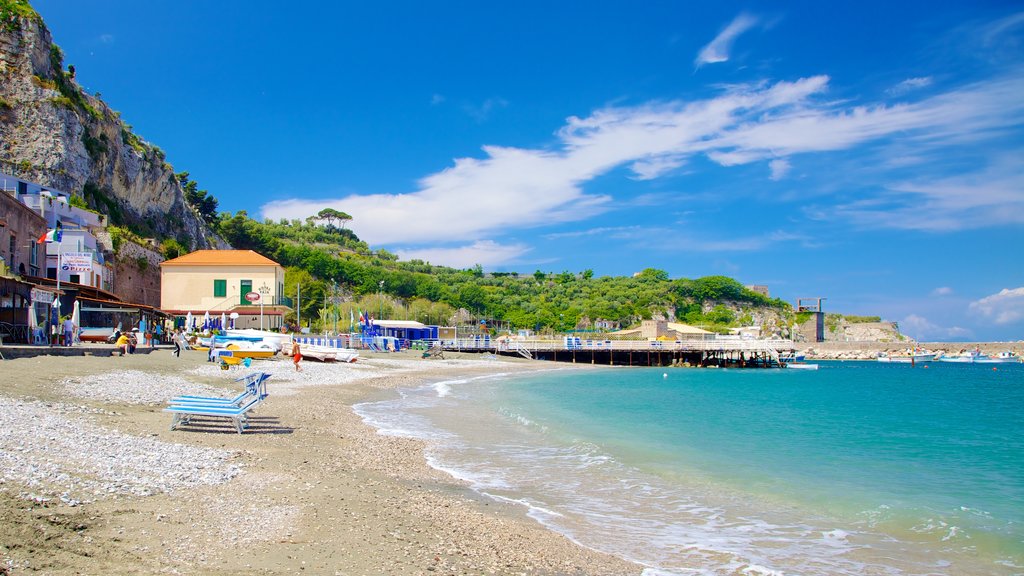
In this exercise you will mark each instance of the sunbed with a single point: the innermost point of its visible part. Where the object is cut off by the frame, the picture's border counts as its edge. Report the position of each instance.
(237, 414)
(255, 385)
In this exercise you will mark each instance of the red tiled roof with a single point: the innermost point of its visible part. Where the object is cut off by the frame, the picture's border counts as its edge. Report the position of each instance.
(221, 258)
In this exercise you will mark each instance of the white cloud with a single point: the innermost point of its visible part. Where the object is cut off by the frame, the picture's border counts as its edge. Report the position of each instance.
(1004, 307)
(106, 38)
(436, 99)
(920, 328)
(484, 252)
(779, 167)
(718, 49)
(942, 291)
(516, 188)
(977, 199)
(910, 85)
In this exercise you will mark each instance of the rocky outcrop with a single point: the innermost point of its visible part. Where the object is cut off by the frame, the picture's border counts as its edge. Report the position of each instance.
(54, 134)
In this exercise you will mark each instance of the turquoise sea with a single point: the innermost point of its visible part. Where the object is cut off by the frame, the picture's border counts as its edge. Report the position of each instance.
(857, 468)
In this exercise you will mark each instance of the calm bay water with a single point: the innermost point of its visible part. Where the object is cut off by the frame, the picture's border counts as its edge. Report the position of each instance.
(857, 468)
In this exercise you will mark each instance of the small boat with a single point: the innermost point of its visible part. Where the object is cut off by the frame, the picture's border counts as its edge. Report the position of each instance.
(910, 356)
(801, 366)
(321, 353)
(789, 357)
(965, 357)
(1007, 357)
(251, 350)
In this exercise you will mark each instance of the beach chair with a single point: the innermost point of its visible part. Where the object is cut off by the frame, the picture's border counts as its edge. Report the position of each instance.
(237, 414)
(255, 386)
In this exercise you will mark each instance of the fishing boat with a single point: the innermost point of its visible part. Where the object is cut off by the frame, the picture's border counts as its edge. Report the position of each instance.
(1007, 357)
(909, 356)
(965, 357)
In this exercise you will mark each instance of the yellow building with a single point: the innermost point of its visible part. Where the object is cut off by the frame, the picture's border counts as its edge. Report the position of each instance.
(215, 282)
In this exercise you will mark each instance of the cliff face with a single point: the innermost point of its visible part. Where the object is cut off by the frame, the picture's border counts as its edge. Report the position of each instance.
(54, 134)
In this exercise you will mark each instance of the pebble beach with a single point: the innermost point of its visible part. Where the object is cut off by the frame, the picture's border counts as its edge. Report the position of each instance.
(92, 480)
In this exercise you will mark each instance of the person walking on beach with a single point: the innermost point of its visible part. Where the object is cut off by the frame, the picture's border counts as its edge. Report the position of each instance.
(296, 355)
(177, 337)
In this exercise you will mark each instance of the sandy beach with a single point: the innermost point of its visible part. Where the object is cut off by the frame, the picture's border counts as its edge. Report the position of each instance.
(93, 481)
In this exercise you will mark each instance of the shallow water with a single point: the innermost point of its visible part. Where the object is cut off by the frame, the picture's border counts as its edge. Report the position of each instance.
(857, 468)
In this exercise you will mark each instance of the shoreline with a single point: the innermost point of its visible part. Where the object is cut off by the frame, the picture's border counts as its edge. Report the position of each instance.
(310, 488)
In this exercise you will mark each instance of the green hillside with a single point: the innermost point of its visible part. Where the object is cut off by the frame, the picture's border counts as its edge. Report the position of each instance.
(339, 275)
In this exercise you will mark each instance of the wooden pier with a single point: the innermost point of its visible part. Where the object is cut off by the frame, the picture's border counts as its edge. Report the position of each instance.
(696, 353)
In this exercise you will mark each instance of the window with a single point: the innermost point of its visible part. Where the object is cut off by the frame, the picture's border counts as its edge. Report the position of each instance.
(220, 288)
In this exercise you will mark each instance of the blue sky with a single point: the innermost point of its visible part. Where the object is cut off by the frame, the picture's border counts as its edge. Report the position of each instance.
(869, 152)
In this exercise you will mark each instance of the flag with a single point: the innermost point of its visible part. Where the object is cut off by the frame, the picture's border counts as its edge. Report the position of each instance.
(51, 235)
(362, 318)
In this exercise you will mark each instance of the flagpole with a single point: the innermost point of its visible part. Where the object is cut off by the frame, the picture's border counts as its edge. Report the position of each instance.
(59, 245)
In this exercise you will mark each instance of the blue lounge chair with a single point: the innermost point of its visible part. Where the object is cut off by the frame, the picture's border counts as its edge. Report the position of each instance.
(237, 414)
(255, 385)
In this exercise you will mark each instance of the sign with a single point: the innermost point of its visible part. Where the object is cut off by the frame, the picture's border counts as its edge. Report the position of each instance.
(41, 296)
(76, 261)
(252, 296)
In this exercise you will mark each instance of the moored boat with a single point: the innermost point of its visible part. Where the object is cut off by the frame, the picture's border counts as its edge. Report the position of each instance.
(910, 356)
(1007, 357)
(965, 357)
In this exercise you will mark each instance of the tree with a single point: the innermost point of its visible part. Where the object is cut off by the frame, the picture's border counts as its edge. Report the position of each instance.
(330, 216)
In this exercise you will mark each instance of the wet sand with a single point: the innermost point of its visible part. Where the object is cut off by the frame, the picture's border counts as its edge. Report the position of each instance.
(96, 482)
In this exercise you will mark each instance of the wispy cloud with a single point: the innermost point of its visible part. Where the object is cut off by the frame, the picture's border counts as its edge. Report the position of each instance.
(611, 231)
(718, 49)
(482, 112)
(1003, 307)
(484, 252)
(920, 328)
(106, 38)
(942, 291)
(909, 85)
(436, 99)
(517, 188)
(978, 199)
(779, 168)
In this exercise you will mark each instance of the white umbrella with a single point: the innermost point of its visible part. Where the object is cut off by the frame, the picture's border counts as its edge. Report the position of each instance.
(188, 320)
(223, 326)
(206, 320)
(76, 319)
(33, 324)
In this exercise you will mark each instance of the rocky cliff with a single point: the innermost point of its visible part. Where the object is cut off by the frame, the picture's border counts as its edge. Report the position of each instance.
(54, 134)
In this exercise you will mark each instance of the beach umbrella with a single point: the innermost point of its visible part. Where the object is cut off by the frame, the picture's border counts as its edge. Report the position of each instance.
(188, 320)
(206, 320)
(33, 324)
(223, 325)
(76, 318)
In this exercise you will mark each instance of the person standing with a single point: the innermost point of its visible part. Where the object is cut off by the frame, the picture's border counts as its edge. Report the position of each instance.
(296, 355)
(69, 331)
(177, 337)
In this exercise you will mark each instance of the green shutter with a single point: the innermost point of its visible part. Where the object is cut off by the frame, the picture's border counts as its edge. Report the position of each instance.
(220, 288)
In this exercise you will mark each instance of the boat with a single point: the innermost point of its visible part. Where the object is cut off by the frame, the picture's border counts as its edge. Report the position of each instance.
(1007, 357)
(275, 340)
(320, 353)
(801, 366)
(965, 357)
(244, 349)
(790, 357)
(909, 356)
